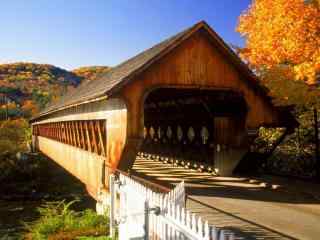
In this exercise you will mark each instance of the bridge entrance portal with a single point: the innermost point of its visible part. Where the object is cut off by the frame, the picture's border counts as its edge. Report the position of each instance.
(195, 127)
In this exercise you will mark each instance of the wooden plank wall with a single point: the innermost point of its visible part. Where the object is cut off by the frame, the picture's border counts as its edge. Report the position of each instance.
(89, 135)
(75, 137)
(196, 63)
(86, 166)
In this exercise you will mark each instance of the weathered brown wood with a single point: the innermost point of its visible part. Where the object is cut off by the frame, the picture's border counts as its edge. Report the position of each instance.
(63, 132)
(74, 134)
(59, 132)
(101, 141)
(87, 136)
(104, 136)
(54, 128)
(70, 133)
(195, 63)
(82, 136)
(66, 132)
(93, 135)
(77, 134)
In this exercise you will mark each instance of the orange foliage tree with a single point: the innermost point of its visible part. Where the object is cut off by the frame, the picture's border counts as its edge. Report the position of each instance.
(29, 108)
(283, 32)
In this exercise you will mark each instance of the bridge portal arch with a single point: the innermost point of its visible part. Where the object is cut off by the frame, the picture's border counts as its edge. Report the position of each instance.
(194, 125)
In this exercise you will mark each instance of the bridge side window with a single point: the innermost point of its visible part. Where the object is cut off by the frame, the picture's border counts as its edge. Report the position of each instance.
(89, 135)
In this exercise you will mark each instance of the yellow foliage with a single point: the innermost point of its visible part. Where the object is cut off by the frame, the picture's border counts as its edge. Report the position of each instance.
(283, 31)
(14, 130)
(12, 105)
(91, 73)
(30, 107)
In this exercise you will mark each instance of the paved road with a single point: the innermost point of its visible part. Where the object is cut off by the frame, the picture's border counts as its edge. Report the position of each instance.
(249, 209)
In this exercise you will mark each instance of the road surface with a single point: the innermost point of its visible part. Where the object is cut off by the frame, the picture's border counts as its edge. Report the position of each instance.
(251, 210)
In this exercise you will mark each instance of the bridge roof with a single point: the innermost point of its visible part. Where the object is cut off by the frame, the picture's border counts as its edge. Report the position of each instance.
(113, 80)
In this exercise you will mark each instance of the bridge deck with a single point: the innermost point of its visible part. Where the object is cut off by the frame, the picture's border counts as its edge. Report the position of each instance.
(251, 210)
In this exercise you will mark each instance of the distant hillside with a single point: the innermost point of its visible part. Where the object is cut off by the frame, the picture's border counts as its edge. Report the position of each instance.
(90, 73)
(30, 86)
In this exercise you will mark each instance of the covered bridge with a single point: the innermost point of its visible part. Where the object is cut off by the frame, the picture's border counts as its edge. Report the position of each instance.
(189, 97)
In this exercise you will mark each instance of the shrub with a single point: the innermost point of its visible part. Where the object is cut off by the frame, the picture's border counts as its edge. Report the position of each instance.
(94, 238)
(14, 136)
(58, 218)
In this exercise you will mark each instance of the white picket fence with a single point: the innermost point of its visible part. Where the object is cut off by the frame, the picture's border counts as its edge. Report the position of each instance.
(145, 214)
(177, 195)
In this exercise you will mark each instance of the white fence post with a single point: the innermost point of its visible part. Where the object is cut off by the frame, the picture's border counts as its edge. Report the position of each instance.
(172, 222)
(112, 205)
(222, 235)
(146, 220)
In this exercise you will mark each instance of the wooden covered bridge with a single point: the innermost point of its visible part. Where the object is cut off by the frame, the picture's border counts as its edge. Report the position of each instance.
(189, 97)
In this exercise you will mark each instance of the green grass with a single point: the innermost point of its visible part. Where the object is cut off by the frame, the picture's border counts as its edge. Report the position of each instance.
(94, 238)
(57, 218)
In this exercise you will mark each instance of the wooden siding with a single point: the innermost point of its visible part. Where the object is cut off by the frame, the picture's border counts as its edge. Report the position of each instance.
(84, 140)
(196, 63)
(84, 165)
(230, 131)
(89, 135)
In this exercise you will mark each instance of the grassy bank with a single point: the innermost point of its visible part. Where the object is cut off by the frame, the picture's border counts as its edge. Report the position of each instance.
(59, 221)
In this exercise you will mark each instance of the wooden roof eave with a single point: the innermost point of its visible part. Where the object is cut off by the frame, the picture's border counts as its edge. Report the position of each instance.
(248, 75)
(140, 70)
(226, 51)
(94, 99)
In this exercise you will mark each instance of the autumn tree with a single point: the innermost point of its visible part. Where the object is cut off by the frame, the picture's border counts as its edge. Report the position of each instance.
(14, 135)
(282, 44)
(29, 108)
(283, 32)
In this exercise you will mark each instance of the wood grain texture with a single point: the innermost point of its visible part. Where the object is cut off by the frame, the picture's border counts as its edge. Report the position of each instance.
(196, 63)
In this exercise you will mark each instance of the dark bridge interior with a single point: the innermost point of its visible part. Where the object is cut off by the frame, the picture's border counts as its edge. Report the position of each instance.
(186, 124)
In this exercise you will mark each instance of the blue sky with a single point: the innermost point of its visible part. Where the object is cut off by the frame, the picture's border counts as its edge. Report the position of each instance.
(74, 33)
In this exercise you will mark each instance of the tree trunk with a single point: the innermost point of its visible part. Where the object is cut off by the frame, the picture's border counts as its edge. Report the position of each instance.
(316, 138)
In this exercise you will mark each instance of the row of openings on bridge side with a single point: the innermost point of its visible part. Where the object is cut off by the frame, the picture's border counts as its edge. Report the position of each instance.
(184, 142)
(188, 124)
(89, 135)
(167, 135)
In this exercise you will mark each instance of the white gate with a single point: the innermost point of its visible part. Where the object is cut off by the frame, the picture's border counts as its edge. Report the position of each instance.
(144, 214)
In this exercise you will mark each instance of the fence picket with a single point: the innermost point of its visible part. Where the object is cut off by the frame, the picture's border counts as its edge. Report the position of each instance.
(200, 227)
(213, 233)
(174, 221)
(206, 231)
(222, 235)
(188, 219)
(193, 223)
(183, 217)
